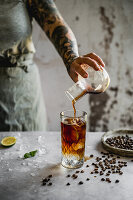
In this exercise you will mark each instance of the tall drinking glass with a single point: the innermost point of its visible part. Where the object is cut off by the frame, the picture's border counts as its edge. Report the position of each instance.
(73, 135)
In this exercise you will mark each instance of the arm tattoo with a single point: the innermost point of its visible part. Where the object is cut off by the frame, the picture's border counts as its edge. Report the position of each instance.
(50, 20)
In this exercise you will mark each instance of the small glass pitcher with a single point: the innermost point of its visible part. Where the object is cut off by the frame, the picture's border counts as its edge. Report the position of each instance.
(96, 82)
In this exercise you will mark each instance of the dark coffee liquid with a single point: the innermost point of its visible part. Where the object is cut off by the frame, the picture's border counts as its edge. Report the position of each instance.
(90, 90)
(74, 101)
(73, 132)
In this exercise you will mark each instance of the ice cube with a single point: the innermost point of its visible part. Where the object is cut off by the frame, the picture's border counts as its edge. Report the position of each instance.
(79, 145)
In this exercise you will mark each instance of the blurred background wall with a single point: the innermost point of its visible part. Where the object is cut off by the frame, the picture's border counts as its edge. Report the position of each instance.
(106, 28)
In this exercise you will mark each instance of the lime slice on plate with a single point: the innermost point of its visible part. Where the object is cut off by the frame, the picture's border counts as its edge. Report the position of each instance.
(8, 141)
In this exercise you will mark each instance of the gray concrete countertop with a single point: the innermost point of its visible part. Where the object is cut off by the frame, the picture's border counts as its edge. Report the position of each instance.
(20, 179)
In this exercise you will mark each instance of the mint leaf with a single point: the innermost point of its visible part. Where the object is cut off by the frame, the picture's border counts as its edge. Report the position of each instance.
(30, 154)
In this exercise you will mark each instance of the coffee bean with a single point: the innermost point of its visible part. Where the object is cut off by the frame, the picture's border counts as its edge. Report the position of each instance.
(80, 182)
(102, 179)
(87, 179)
(120, 172)
(46, 179)
(74, 176)
(111, 155)
(91, 156)
(117, 181)
(82, 171)
(44, 183)
(77, 172)
(87, 165)
(101, 173)
(68, 184)
(50, 176)
(49, 184)
(68, 175)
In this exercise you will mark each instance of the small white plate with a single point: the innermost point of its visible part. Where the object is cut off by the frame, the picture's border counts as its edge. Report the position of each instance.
(115, 150)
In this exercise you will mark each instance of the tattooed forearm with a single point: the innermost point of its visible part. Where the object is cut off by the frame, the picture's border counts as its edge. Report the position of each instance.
(49, 18)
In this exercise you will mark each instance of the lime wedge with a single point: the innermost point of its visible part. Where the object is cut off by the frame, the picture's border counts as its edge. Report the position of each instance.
(8, 141)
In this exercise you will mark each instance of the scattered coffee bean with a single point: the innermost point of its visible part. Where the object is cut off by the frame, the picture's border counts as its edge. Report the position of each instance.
(87, 179)
(50, 176)
(91, 156)
(106, 165)
(101, 173)
(74, 176)
(49, 184)
(111, 155)
(46, 180)
(80, 182)
(131, 160)
(108, 180)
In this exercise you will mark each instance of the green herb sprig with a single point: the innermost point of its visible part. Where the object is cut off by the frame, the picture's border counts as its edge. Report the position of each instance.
(30, 154)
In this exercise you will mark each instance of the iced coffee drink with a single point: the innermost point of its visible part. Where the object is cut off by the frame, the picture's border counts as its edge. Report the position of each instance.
(73, 134)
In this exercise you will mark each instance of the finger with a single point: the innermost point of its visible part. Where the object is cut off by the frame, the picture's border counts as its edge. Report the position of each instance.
(95, 57)
(87, 60)
(81, 71)
(74, 76)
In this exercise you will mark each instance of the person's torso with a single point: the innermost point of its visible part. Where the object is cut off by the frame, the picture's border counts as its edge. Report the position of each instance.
(15, 24)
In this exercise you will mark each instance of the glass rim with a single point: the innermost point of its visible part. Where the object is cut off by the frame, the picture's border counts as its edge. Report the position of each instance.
(65, 115)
